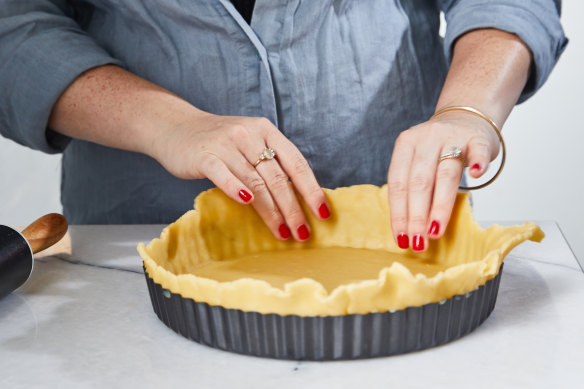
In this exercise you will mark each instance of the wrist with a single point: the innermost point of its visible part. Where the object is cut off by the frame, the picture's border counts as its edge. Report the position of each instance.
(492, 110)
(481, 121)
(165, 114)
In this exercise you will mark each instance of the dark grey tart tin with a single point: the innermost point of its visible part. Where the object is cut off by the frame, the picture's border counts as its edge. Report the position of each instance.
(322, 338)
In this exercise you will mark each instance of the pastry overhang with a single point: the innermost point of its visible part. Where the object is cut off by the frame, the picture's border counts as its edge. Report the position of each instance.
(203, 254)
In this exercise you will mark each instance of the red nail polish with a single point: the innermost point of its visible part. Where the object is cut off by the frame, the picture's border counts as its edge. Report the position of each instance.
(303, 232)
(284, 231)
(403, 241)
(434, 228)
(476, 166)
(245, 196)
(324, 211)
(418, 243)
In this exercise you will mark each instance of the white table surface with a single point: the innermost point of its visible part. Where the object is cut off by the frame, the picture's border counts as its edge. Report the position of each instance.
(85, 320)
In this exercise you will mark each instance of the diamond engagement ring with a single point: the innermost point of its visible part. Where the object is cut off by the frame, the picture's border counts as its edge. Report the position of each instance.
(455, 153)
(268, 153)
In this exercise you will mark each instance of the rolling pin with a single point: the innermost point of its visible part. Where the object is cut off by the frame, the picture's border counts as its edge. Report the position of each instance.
(17, 249)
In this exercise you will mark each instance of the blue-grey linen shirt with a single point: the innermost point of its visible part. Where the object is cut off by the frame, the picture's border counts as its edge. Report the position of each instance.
(340, 78)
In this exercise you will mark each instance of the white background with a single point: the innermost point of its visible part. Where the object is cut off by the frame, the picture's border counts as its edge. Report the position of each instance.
(542, 179)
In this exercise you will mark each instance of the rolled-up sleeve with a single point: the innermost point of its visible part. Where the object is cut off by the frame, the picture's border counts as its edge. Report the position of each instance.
(42, 51)
(535, 22)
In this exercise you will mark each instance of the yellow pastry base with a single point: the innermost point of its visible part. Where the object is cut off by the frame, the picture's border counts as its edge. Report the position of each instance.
(329, 266)
(222, 254)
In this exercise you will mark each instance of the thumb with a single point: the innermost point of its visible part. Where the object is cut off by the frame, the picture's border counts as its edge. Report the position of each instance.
(478, 156)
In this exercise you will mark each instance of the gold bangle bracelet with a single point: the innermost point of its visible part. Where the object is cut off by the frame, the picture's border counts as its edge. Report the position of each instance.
(497, 131)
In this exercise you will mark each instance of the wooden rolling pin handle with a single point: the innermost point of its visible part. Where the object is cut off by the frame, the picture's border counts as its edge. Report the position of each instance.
(45, 231)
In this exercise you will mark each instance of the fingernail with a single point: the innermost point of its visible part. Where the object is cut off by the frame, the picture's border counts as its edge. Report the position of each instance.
(284, 231)
(434, 228)
(324, 211)
(418, 243)
(245, 196)
(476, 166)
(303, 232)
(403, 241)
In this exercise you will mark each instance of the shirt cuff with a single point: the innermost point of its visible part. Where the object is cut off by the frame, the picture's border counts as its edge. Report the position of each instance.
(40, 70)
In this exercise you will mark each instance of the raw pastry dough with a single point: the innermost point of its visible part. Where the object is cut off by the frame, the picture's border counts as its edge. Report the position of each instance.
(350, 265)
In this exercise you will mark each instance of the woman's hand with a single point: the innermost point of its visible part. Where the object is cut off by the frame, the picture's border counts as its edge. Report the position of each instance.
(224, 150)
(489, 69)
(422, 190)
(110, 106)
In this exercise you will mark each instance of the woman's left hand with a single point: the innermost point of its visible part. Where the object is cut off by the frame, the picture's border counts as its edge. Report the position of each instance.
(422, 190)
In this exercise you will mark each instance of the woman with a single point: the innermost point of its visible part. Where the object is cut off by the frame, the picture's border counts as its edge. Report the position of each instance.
(152, 102)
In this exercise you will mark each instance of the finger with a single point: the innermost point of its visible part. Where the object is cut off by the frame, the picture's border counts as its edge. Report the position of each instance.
(235, 152)
(215, 169)
(397, 184)
(297, 168)
(421, 188)
(478, 155)
(281, 191)
(263, 203)
(448, 176)
(271, 183)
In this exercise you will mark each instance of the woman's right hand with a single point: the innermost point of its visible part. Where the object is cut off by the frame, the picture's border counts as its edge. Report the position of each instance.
(113, 107)
(224, 150)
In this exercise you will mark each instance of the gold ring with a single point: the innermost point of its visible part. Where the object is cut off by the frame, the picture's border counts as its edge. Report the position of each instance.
(497, 131)
(455, 153)
(268, 153)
